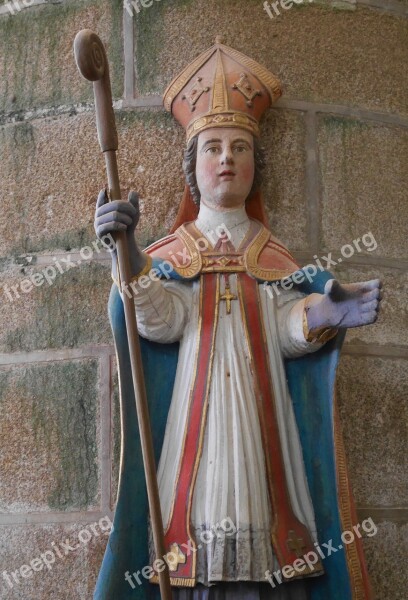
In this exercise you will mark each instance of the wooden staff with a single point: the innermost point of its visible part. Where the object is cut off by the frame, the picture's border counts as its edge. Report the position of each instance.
(93, 65)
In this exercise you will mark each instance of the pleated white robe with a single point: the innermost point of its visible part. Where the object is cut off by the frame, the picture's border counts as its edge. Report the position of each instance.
(231, 485)
(231, 510)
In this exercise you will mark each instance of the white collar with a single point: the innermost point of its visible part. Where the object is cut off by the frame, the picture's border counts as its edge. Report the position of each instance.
(234, 221)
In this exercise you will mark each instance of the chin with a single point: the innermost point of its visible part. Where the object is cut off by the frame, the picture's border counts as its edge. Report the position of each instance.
(222, 199)
(229, 202)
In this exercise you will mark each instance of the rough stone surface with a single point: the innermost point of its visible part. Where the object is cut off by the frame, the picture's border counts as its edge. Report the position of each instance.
(69, 313)
(283, 138)
(386, 554)
(49, 458)
(53, 170)
(372, 396)
(392, 325)
(72, 576)
(38, 67)
(151, 153)
(51, 183)
(320, 53)
(364, 184)
(51, 173)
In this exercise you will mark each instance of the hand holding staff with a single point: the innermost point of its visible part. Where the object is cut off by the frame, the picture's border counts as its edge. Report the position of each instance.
(92, 63)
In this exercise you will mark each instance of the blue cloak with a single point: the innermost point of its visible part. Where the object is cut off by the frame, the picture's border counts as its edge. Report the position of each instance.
(311, 380)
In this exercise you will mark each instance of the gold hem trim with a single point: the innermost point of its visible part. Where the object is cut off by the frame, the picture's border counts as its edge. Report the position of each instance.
(176, 581)
(251, 257)
(194, 268)
(343, 484)
(321, 335)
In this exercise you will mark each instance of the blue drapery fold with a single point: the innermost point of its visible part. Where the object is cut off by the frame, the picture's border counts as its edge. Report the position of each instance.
(311, 382)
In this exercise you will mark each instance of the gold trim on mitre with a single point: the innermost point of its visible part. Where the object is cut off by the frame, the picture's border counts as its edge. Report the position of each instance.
(221, 88)
(223, 119)
(220, 92)
(179, 82)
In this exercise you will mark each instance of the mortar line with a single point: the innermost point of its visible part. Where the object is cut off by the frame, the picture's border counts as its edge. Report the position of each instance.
(46, 259)
(106, 352)
(43, 356)
(47, 518)
(105, 422)
(155, 102)
(390, 7)
(128, 48)
(375, 351)
(363, 114)
(364, 260)
(312, 182)
(74, 109)
(395, 514)
(380, 513)
(104, 259)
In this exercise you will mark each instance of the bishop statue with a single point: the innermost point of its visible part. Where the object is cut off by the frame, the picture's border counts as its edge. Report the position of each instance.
(240, 347)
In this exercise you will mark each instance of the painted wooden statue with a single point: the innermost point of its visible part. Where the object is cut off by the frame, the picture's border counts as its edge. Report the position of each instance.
(240, 348)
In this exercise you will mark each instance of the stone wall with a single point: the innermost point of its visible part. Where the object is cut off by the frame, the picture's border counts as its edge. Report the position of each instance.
(337, 150)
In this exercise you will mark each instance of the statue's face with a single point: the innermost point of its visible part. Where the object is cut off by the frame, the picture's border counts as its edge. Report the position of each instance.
(225, 167)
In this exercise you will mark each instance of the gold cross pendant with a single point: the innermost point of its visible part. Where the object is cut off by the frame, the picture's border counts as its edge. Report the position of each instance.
(227, 296)
(295, 544)
(175, 557)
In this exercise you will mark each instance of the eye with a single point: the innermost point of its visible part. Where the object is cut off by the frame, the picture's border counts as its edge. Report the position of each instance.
(212, 149)
(240, 149)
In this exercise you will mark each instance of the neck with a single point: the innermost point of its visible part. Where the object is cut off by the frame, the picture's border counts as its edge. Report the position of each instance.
(234, 220)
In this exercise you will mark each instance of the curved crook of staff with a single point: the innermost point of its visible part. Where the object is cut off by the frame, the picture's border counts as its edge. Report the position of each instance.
(93, 65)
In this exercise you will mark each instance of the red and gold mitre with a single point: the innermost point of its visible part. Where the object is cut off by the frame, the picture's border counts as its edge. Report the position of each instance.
(221, 88)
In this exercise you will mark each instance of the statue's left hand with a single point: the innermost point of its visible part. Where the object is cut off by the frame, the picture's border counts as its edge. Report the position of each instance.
(347, 305)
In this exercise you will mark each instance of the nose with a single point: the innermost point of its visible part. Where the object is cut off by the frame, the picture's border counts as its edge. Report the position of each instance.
(227, 157)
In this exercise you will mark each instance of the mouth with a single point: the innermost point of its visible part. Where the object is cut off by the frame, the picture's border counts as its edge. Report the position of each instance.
(227, 174)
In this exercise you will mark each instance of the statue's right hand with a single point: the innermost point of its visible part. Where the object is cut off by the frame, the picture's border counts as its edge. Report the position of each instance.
(119, 215)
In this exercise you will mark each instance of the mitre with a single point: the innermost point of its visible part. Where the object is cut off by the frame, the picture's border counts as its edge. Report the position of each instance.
(221, 88)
